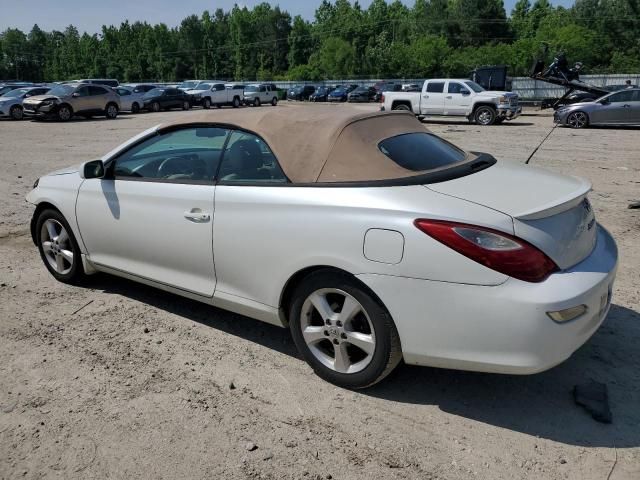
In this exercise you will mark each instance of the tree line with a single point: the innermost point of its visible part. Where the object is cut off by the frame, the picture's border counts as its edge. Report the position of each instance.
(385, 40)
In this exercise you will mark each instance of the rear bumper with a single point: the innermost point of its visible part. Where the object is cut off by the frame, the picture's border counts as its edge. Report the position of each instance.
(503, 328)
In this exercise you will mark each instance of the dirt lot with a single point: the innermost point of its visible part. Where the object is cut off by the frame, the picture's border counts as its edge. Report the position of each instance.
(86, 393)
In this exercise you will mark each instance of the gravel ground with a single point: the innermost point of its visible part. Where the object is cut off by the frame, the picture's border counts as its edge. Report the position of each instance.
(117, 380)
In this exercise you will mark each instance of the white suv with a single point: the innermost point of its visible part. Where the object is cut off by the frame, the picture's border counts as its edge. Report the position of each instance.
(258, 94)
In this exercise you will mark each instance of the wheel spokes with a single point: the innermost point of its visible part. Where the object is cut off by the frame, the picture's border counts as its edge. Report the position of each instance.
(67, 255)
(321, 304)
(51, 230)
(350, 308)
(341, 361)
(361, 340)
(313, 334)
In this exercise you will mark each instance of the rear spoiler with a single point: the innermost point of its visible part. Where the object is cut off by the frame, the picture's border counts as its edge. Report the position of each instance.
(558, 205)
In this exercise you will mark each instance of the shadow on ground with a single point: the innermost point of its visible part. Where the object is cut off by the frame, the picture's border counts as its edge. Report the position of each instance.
(539, 405)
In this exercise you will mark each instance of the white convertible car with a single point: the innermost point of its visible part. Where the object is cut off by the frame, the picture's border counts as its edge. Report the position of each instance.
(372, 239)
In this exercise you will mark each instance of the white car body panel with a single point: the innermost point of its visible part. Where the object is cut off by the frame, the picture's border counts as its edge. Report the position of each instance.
(450, 311)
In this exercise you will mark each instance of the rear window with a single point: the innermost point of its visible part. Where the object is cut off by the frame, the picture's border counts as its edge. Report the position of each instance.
(421, 151)
(435, 87)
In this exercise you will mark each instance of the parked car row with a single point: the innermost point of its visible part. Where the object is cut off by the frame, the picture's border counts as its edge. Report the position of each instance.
(93, 97)
(344, 93)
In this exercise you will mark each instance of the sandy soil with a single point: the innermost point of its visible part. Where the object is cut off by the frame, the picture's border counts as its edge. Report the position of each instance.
(118, 380)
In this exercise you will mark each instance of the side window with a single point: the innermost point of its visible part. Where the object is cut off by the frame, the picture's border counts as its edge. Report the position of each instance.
(636, 96)
(622, 97)
(435, 87)
(218, 87)
(248, 158)
(263, 88)
(93, 90)
(182, 156)
(455, 87)
(82, 91)
(123, 92)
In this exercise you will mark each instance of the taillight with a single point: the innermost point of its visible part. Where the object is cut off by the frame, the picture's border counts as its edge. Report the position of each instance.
(499, 251)
(382, 98)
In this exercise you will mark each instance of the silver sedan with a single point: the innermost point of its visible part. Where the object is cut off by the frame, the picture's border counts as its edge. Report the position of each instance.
(618, 108)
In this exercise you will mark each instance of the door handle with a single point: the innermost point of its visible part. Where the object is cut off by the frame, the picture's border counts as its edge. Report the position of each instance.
(197, 215)
(426, 96)
(626, 105)
(449, 97)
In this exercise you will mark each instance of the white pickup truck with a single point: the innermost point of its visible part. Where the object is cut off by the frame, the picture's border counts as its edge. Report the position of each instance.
(456, 97)
(213, 93)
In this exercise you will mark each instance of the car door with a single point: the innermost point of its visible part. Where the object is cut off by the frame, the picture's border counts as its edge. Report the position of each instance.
(81, 99)
(634, 111)
(97, 98)
(249, 175)
(152, 214)
(218, 94)
(433, 98)
(616, 109)
(126, 98)
(457, 101)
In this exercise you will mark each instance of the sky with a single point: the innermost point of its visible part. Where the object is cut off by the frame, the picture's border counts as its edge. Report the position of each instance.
(90, 15)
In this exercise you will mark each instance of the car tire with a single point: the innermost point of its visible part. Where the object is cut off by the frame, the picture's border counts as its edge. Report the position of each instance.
(236, 102)
(325, 340)
(274, 101)
(16, 112)
(61, 256)
(256, 102)
(65, 113)
(186, 105)
(155, 107)
(485, 115)
(135, 108)
(402, 106)
(577, 119)
(207, 103)
(111, 111)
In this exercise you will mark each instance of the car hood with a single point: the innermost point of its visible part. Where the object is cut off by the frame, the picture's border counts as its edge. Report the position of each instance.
(194, 92)
(65, 171)
(579, 105)
(41, 98)
(549, 210)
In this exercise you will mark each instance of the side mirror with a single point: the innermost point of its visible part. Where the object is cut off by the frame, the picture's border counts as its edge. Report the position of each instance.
(465, 92)
(76, 94)
(605, 101)
(92, 169)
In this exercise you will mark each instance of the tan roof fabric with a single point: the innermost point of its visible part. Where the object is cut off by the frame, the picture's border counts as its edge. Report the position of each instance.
(322, 143)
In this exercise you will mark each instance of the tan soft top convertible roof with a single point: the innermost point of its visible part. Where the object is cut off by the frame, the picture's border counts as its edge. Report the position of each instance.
(320, 144)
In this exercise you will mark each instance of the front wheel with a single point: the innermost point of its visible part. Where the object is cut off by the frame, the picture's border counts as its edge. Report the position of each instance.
(155, 106)
(135, 108)
(64, 113)
(256, 102)
(485, 115)
(577, 120)
(186, 105)
(58, 247)
(342, 331)
(16, 112)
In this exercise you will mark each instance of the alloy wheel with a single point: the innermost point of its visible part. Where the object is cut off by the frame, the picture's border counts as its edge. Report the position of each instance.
(155, 107)
(337, 330)
(112, 111)
(484, 116)
(17, 113)
(577, 120)
(64, 113)
(57, 246)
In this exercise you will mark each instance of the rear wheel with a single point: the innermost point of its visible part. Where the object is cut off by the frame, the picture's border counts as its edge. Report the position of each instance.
(236, 102)
(111, 112)
(274, 101)
(578, 120)
(402, 106)
(342, 331)
(186, 105)
(256, 102)
(16, 112)
(58, 247)
(65, 113)
(485, 115)
(135, 108)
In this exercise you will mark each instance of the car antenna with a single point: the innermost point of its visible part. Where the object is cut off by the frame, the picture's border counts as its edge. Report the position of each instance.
(540, 144)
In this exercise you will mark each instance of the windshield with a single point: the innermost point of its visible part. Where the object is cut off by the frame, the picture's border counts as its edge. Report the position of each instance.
(154, 92)
(251, 88)
(61, 90)
(188, 85)
(474, 86)
(205, 86)
(322, 90)
(16, 93)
